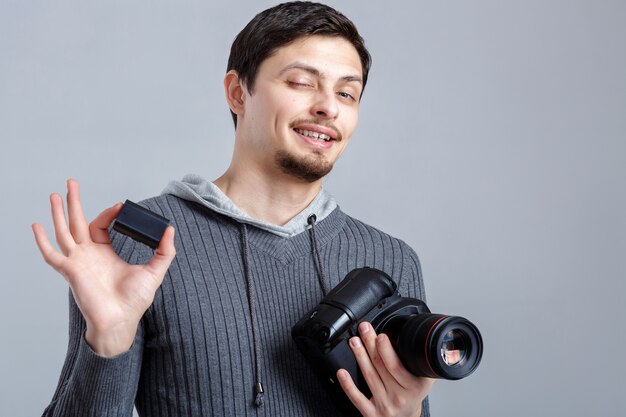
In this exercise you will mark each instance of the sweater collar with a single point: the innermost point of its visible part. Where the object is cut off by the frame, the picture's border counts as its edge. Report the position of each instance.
(197, 189)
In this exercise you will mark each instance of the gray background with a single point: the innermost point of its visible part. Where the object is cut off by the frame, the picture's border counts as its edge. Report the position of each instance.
(492, 140)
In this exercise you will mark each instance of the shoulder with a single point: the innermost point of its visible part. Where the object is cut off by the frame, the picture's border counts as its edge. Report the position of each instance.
(366, 232)
(386, 252)
(196, 226)
(168, 206)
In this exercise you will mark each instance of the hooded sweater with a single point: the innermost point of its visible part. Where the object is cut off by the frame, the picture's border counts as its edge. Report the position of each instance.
(216, 340)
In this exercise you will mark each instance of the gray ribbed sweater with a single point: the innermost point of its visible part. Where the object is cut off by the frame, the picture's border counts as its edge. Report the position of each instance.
(194, 350)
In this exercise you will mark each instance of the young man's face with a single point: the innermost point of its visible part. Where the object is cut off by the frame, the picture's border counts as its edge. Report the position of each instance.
(304, 107)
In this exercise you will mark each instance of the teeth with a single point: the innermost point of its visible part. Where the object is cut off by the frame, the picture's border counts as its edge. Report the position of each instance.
(314, 135)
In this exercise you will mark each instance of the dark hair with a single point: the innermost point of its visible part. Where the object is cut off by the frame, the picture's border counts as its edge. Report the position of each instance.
(283, 24)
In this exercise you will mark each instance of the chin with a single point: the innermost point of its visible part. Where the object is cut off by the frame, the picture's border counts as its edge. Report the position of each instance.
(308, 169)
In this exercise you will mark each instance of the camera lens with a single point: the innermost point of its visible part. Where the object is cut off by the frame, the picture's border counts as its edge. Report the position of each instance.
(453, 347)
(435, 345)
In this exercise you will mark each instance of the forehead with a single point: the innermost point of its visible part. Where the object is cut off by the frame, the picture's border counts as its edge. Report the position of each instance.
(334, 57)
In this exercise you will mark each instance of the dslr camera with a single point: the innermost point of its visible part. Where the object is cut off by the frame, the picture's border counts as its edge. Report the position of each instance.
(430, 345)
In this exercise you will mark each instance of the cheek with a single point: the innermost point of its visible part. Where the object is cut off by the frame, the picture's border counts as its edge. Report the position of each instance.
(355, 120)
(280, 107)
(351, 119)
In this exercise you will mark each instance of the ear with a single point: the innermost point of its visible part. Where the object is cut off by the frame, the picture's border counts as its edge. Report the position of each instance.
(235, 92)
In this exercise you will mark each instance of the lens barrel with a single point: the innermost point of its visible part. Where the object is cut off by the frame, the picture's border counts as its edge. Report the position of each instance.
(436, 345)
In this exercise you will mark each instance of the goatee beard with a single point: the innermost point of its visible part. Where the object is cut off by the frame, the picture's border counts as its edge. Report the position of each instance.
(309, 169)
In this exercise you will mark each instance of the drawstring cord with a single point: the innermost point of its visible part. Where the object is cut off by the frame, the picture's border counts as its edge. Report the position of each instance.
(318, 260)
(258, 387)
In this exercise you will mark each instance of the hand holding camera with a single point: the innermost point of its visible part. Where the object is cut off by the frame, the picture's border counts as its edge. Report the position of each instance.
(394, 390)
(427, 345)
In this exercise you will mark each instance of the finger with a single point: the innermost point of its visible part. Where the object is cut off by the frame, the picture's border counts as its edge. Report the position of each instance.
(78, 224)
(368, 336)
(394, 367)
(367, 368)
(50, 255)
(360, 401)
(99, 227)
(164, 254)
(64, 238)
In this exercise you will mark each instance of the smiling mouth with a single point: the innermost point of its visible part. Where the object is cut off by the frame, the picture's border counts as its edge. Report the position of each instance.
(313, 135)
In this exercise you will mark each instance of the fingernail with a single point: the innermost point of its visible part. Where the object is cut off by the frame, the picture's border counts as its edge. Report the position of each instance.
(355, 342)
(364, 328)
(342, 375)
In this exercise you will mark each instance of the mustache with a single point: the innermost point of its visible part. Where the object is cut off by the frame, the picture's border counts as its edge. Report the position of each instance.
(319, 122)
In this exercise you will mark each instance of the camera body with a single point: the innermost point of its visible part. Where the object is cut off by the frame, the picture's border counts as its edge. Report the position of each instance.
(432, 345)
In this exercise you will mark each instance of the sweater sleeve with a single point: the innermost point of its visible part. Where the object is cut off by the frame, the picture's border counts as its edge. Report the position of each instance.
(412, 285)
(411, 282)
(92, 385)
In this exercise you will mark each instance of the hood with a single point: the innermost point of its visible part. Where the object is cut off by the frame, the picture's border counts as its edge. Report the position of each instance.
(199, 190)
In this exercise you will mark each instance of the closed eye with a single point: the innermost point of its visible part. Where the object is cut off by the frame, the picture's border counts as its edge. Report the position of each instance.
(298, 84)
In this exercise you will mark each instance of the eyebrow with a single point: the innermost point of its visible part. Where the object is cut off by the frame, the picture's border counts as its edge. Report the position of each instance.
(314, 71)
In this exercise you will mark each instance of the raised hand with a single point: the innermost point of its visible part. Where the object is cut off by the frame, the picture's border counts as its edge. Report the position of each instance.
(395, 391)
(111, 294)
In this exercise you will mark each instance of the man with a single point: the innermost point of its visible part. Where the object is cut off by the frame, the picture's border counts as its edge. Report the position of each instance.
(204, 329)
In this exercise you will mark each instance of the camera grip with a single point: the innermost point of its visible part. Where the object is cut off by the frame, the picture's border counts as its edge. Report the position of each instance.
(360, 291)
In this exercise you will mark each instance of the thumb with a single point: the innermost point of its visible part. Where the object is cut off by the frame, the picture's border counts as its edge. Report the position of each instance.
(164, 254)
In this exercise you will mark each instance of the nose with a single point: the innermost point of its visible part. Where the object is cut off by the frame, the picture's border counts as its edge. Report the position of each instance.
(325, 105)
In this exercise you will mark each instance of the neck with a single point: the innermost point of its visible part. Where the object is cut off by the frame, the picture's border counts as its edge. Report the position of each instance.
(275, 199)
